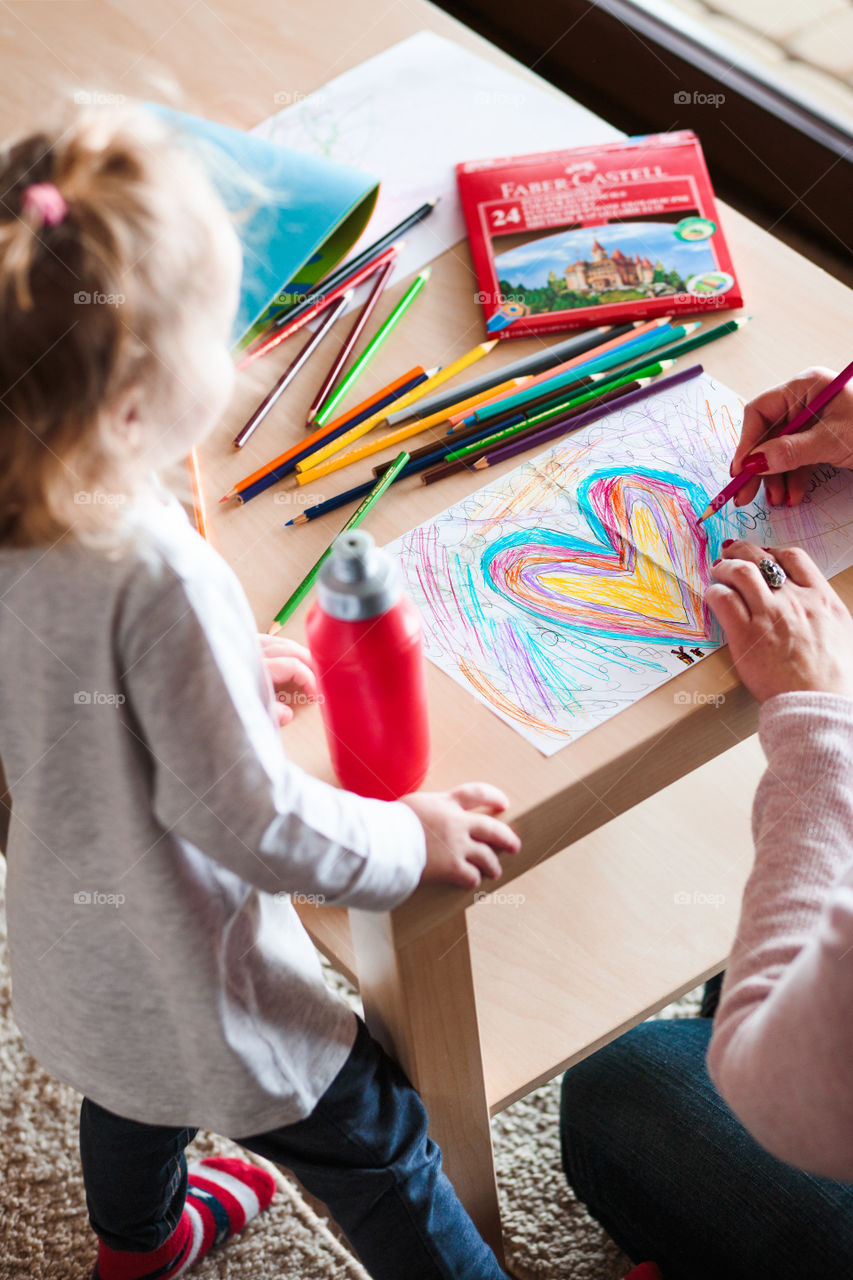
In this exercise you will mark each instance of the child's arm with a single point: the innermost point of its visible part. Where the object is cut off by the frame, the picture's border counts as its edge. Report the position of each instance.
(201, 710)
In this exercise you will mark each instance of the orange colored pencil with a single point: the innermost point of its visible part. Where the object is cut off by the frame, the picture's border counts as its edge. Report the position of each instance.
(576, 360)
(199, 513)
(317, 437)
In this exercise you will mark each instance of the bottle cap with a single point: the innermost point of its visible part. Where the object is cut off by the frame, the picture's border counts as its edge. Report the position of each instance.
(358, 580)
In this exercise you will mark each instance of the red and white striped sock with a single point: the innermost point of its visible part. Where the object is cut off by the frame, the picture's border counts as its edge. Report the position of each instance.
(222, 1196)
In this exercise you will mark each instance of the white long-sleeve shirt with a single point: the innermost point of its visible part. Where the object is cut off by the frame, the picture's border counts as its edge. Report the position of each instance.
(782, 1049)
(156, 829)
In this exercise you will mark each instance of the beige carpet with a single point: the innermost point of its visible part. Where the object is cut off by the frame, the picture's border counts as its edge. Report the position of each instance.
(44, 1232)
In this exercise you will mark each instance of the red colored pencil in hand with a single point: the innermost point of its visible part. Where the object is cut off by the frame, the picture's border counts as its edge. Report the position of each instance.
(799, 422)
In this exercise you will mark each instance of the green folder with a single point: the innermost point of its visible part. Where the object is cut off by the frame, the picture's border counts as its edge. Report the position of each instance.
(297, 215)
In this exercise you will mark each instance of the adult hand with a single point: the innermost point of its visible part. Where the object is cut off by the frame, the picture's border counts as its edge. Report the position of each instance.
(785, 462)
(799, 637)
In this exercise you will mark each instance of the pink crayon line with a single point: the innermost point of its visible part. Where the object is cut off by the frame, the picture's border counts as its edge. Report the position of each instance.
(799, 422)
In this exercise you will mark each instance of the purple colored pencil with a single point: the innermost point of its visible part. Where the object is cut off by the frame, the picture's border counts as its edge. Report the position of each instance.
(555, 429)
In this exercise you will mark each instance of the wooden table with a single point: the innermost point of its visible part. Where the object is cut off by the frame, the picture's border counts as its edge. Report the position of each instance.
(636, 838)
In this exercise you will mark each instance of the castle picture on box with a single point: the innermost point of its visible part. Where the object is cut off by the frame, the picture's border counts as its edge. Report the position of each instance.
(582, 267)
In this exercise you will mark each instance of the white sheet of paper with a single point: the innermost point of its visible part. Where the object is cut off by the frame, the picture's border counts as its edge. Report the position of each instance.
(566, 590)
(411, 113)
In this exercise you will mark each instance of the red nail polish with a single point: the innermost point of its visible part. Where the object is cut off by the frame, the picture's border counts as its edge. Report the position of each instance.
(755, 462)
(713, 562)
(728, 542)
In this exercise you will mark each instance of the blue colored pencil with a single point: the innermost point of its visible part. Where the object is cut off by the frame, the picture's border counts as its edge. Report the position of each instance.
(252, 491)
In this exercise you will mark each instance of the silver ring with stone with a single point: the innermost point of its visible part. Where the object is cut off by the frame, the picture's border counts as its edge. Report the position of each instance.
(773, 574)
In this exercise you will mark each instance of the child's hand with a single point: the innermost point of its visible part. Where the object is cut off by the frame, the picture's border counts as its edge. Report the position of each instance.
(799, 637)
(288, 664)
(461, 839)
(789, 459)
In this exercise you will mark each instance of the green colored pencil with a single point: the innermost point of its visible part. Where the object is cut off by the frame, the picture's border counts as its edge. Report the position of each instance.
(555, 410)
(327, 409)
(355, 519)
(638, 367)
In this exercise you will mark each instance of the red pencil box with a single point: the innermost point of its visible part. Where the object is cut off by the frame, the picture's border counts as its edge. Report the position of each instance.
(568, 239)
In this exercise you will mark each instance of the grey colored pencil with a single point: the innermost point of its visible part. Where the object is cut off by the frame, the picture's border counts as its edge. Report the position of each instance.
(543, 359)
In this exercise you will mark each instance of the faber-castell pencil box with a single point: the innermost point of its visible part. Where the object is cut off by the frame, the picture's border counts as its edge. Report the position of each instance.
(625, 231)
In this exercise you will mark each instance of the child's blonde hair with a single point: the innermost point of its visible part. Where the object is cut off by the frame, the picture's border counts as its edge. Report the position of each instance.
(91, 306)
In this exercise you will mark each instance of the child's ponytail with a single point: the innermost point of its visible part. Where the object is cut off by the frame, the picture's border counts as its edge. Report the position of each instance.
(105, 242)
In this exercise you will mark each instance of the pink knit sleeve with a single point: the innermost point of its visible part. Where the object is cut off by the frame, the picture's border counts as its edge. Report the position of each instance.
(782, 1049)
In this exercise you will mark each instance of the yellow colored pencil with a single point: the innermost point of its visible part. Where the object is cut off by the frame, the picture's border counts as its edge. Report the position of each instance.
(443, 375)
(479, 397)
(410, 429)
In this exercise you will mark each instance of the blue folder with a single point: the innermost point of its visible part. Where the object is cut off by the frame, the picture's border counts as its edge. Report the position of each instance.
(297, 215)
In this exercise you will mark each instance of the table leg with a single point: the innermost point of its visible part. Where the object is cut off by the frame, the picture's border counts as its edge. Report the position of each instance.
(419, 1003)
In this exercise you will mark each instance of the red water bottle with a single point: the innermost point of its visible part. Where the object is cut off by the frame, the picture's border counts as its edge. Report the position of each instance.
(365, 639)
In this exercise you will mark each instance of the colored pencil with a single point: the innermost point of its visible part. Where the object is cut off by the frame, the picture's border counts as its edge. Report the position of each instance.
(383, 275)
(391, 438)
(799, 422)
(382, 334)
(587, 414)
(343, 276)
(540, 383)
(329, 318)
(557, 410)
(536, 363)
(670, 354)
(707, 335)
(603, 379)
(356, 432)
(649, 341)
(436, 442)
(368, 254)
(414, 425)
(554, 429)
(320, 299)
(545, 398)
(354, 521)
(464, 459)
(374, 404)
(358, 491)
(199, 513)
(260, 486)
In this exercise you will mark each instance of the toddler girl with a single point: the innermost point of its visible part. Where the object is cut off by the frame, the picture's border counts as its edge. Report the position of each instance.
(155, 827)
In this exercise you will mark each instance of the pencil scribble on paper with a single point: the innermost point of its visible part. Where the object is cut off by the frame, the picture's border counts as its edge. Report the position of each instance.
(575, 584)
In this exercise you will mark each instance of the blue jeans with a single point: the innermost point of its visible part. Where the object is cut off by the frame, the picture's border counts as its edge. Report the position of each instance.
(363, 1151)
(659, 1159)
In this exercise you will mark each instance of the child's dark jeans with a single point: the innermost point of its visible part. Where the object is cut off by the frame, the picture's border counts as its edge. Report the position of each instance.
(363, 1151)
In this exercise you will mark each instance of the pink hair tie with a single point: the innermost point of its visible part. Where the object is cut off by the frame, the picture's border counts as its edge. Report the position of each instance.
(45, 199)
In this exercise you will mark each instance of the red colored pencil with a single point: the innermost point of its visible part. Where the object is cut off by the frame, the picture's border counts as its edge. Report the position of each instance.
(351, 339)
(268, 342)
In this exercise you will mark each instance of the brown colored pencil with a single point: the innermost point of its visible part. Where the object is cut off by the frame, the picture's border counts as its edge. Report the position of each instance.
(384, 272)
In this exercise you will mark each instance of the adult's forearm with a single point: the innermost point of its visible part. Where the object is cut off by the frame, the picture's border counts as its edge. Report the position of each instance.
(782, 1050)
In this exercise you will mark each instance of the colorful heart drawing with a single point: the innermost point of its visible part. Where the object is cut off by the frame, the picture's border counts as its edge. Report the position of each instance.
(641, 574)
